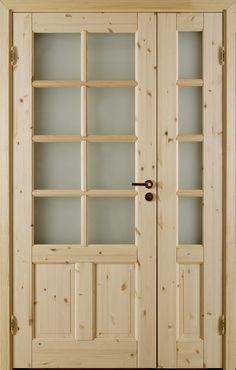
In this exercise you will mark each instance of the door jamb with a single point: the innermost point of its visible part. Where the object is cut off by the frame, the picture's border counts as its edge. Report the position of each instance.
(229, 186)
(5, 187)
(6, 204)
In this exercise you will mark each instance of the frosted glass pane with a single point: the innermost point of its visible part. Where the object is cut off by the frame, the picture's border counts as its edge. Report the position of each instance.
(111, 56)
(111, 111)
(111, 165)
(190, 110)
(190, 221)
(57, 166)
(111, 220)
(57, 56)
(190, 166)
(190, 54)
(57, 220)
(57, 111)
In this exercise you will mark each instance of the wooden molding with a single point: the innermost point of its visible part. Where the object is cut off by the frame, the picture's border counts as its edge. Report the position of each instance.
(118, 6)
(229, 190)
(5, 187)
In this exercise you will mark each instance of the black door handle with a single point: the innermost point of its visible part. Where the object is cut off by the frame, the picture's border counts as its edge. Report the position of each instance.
(148, 184)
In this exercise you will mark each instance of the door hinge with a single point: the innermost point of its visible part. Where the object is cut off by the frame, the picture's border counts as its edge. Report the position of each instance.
(13, 56)
(13, 325)
(222, 55)
(222, 325)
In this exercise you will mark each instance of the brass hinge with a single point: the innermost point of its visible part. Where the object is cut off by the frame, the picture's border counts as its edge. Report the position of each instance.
(13, 325)
(13, 56)
(222, 55)
(222, 325)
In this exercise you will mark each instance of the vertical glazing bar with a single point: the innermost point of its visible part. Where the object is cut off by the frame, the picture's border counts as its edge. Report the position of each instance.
(84, 237)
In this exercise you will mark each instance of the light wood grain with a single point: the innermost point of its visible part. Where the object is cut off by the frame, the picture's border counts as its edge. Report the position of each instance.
(96, 22)
(118, 6)
(22, 192)
(92, 253)
(145, 218)
(99, 353)
(190, 354)
(212, 180)
(79, 138)
(190, 83)
(189, 22)
(189, 310)
(85, 306)
(229, 360)
(190, 138)
(167, 199)
(56, 83)
(79, 193)
(115, 301)
(189, 254)
(54, 301)
(77, 83)
(5, 188)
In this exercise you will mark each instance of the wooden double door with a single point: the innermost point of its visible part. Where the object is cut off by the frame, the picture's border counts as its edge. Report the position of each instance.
(117, 190)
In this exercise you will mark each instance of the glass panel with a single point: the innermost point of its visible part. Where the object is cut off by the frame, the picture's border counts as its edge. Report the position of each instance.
(57, 111)
(111, 220)
(57, 166)
(57, 220)
(190, 110)
(190, 166)
(190, 221)
(190, 54)
(111, 111)
(111, 165)
(111, 56)
(57, 56)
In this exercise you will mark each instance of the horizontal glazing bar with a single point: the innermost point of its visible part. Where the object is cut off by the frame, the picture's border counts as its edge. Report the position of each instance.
(79, 138)
(190, 193)
(190, 82)
(190, 138)
(78, 83)
(79, 193)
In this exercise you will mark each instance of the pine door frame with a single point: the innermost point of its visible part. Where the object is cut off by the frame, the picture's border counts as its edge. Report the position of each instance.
(7, 7)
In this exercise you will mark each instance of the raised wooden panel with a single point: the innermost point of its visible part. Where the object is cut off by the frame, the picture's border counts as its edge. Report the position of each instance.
(189, 301)
(115, 301)
(85, 304)
(54, 301)
(189, 354)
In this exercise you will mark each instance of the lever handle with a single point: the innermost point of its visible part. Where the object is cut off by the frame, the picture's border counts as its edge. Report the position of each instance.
(148, 184)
